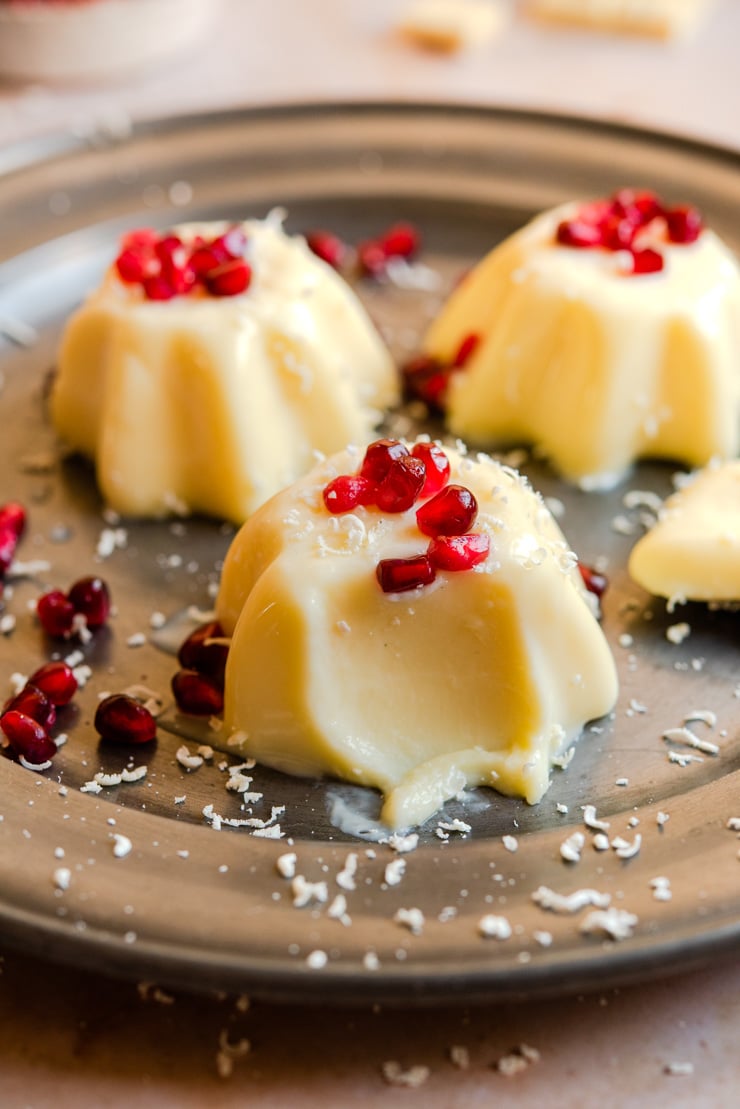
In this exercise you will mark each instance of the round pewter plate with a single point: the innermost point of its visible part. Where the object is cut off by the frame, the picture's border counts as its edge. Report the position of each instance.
(193, 906)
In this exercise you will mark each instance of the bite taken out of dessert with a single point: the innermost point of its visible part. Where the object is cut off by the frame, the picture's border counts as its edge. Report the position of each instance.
(600, 333)
(211, 364)
(413, 620)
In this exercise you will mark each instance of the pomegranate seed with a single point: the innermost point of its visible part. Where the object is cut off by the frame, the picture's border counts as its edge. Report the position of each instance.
(232, 243)
(618, 233)
(90, 597)
(398, 575)
(170, 247)
(13, 518)
(578, 232)
(27, 737)
(371, 258)
(637, 207)
(346, 492)
(200, 652)
(133, 266)
(141, 239)
(380, 456)
(450, 512)
(57, 681)
(204, 260)
(328, 247)
(32, 702)
(437, 466)
(8, 545)
(158, 288)
(121, 719)
(56, 613)
(230, 279)
(197, 694)
(400, 241)
(594, 581)
(458, 552)
(685, 224)
(647, 261)
(402, 485)
(425, 378)
(465, 350)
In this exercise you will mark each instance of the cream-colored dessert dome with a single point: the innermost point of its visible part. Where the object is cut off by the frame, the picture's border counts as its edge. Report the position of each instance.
(418, 645)
(600, 334)
(199, 390)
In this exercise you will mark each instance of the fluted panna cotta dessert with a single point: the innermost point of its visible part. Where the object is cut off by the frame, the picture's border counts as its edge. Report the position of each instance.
(600, 333)
(692, 553)
(211, 364)
(412, 620)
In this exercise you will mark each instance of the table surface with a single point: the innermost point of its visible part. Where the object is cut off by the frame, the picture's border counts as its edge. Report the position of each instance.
(73, 1039)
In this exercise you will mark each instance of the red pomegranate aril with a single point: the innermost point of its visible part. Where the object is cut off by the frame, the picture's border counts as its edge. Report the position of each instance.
(205, 651)
(91, 598)
(425, 378)
(32, 702)
(402, 485)
(328, 247)
(229, 279)
(437, 466)
(57, 681)
(380, 456)
(27, 737)
(466, 350)
(399, 575)
(684, 224)
(157, 288)
(8, 545)
(56, 613)
(232, 243)
(402, 240)
(594, 581)
(170, 247)
(578, 232)
(647, 261)
(618, 233)
(450, 512)
(458, 552)
(204, 259)
(143, 238)
(13, 518)
(121, 719)
(347, 491)
(372, 258)
(134, 266)
(196, 693)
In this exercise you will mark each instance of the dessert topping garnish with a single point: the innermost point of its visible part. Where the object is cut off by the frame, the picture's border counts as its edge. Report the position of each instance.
(165, 267)
(59, 612)
(122, 719)
(426, 378)
(393, 479)
(618, 223)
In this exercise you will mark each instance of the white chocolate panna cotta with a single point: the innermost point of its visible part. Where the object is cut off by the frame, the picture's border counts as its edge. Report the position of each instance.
(599, 333)
(410, 621)
(692, 553)
(210, 366)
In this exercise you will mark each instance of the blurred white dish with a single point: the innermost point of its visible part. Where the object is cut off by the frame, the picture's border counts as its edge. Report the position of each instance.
(84, 40)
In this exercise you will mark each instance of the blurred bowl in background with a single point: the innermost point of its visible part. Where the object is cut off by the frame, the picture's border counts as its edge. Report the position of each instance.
(74, 41)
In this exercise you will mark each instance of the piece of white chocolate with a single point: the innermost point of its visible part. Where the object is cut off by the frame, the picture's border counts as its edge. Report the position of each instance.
(212, 404)
(480, 678)
(594, 366)
(693, 552)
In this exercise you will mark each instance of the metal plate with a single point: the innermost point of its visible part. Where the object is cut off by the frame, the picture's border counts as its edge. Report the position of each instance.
(206, 909)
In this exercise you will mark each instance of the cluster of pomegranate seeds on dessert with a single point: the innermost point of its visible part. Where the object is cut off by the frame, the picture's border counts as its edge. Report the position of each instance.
(28, 717)
(400, 240)
(393, 479)
(87, 604)
(165, 267)
(619, 223)
(427, 378)
(198, 688)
